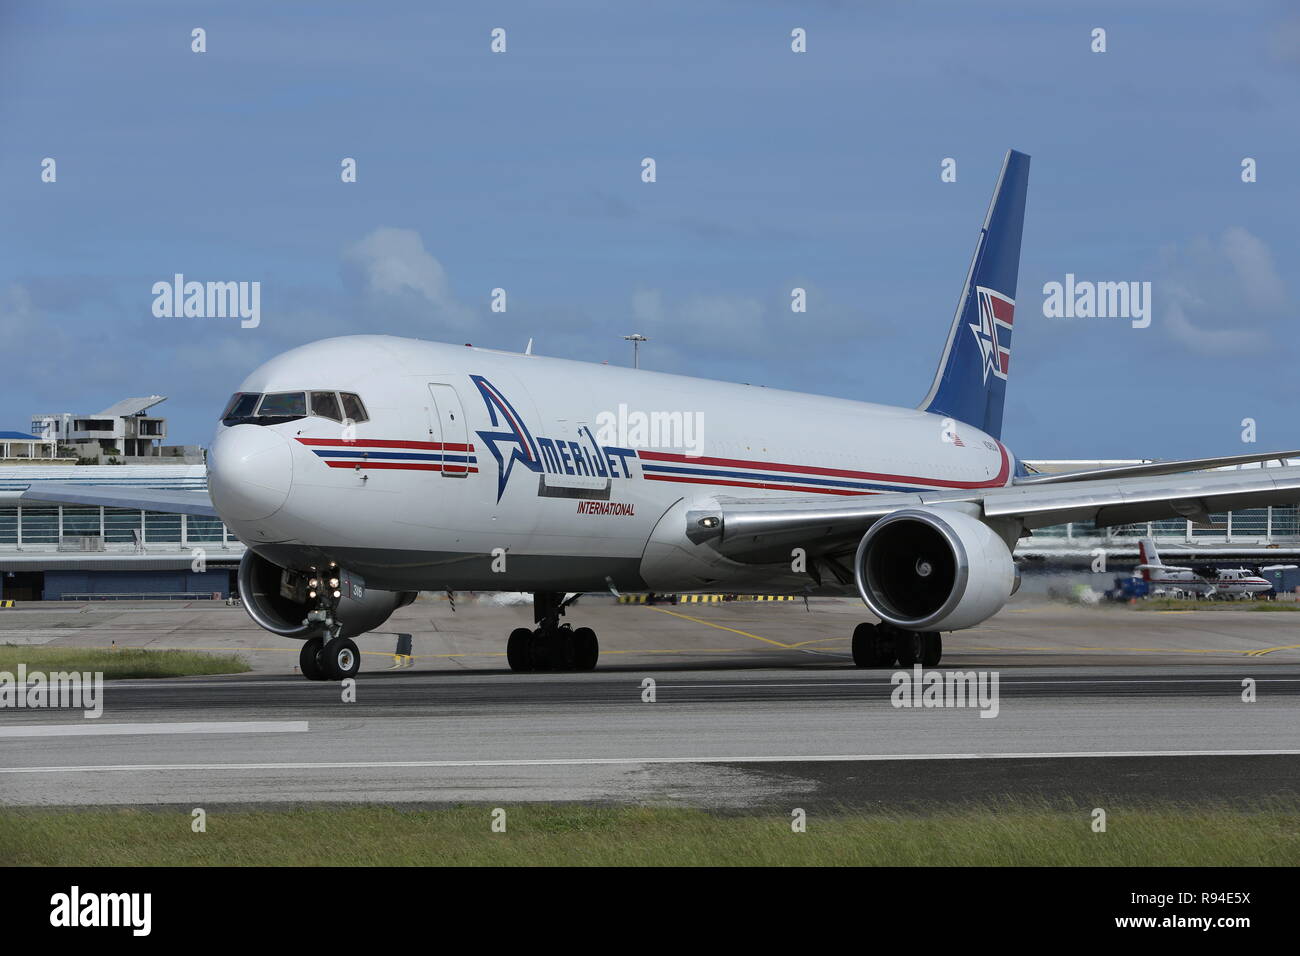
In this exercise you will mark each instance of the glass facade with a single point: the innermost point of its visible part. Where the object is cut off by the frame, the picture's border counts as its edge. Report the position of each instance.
(80, 521)
(40, 524)
(159, 528)
(35, 525)
(1276, 525)
(121, 526)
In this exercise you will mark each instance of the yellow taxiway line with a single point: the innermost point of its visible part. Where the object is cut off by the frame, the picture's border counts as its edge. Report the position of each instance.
(723, 627)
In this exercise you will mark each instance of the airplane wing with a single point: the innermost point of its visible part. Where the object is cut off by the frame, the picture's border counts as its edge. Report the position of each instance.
(112, 496)
(1151, 468)
(1161, 567)
(757, 529)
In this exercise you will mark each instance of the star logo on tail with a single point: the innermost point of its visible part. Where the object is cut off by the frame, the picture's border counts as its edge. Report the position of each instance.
(993, 331)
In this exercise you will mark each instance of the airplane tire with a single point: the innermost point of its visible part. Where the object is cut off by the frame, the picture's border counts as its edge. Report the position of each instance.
(907, 647)
(931, 648)
(540, 650)
(309, 659)
(586, 649)
(519, 649)
(563, 650)
(340, 659)
(871, 648)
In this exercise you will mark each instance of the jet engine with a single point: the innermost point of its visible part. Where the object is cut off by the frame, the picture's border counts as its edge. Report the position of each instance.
(280, 600)
(933, 569)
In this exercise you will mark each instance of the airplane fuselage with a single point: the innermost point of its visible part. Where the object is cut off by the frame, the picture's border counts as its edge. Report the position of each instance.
(1239, 582)
(484, 470)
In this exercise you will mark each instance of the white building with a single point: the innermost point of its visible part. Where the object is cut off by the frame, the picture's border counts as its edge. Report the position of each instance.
(123, 431)
(21, 447)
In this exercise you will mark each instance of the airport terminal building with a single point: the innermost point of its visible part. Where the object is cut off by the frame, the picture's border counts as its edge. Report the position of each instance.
(68, 552)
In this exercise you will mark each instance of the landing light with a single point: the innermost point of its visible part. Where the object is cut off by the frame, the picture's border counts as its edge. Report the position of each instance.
(337, 594)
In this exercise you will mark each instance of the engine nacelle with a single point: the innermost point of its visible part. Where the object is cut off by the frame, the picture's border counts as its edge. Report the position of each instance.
(275, 598)
(934, 569)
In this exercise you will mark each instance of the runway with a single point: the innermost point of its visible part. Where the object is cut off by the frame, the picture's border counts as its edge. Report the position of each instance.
(768, 738)
(754, 726)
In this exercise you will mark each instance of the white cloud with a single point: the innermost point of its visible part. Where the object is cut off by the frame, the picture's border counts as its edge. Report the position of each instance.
(1253, 263)
(1210, 340)
(393, 263)
(1222, 297)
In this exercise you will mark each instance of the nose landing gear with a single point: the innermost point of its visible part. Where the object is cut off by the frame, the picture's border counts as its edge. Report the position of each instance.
(328, 656)
(335, 659)
(552, 646)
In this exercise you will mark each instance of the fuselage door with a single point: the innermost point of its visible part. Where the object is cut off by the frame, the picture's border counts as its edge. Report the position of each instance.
(448, 427)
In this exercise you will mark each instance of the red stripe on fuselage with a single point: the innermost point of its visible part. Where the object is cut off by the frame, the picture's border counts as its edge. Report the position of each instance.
(768, 485)
(384, 443)
(996, 482)
(399, 466)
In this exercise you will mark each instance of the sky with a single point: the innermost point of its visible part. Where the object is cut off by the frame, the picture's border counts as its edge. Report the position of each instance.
(775, 170)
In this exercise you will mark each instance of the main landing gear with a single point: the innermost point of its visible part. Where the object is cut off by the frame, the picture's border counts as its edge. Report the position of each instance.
(333, 659)
(883, 645)
(552, 646)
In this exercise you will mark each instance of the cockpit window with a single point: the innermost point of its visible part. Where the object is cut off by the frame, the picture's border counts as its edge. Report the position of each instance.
(274, 408)
(283, 405)
(326, 405)
(353, 409)
(241, 405)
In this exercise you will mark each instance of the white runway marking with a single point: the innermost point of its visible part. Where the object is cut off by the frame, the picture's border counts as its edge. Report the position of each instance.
(93, 728)
(630, 761)
(34, 635)
(1008, 681)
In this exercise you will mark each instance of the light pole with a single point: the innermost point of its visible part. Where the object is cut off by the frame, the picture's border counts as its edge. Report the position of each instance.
(636, 338)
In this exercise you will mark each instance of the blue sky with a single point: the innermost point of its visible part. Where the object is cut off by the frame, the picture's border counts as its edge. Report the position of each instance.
(522, 170)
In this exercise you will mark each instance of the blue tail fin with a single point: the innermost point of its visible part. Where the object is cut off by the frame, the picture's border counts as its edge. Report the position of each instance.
(971, 383)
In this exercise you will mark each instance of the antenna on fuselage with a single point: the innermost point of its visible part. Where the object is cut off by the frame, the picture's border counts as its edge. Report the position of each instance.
(528, 349)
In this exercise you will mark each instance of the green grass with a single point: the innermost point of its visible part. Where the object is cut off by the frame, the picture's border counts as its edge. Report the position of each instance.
(1194, 604)
(575, 835)
(119, 664)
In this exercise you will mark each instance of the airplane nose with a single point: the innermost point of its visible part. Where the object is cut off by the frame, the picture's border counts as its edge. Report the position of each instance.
(250, 472)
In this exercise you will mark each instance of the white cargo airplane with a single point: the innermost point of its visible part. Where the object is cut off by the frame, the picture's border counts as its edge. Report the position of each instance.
(361, 469)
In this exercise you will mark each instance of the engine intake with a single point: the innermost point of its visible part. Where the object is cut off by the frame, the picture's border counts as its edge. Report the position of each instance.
(276, 599)
(931, 569)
